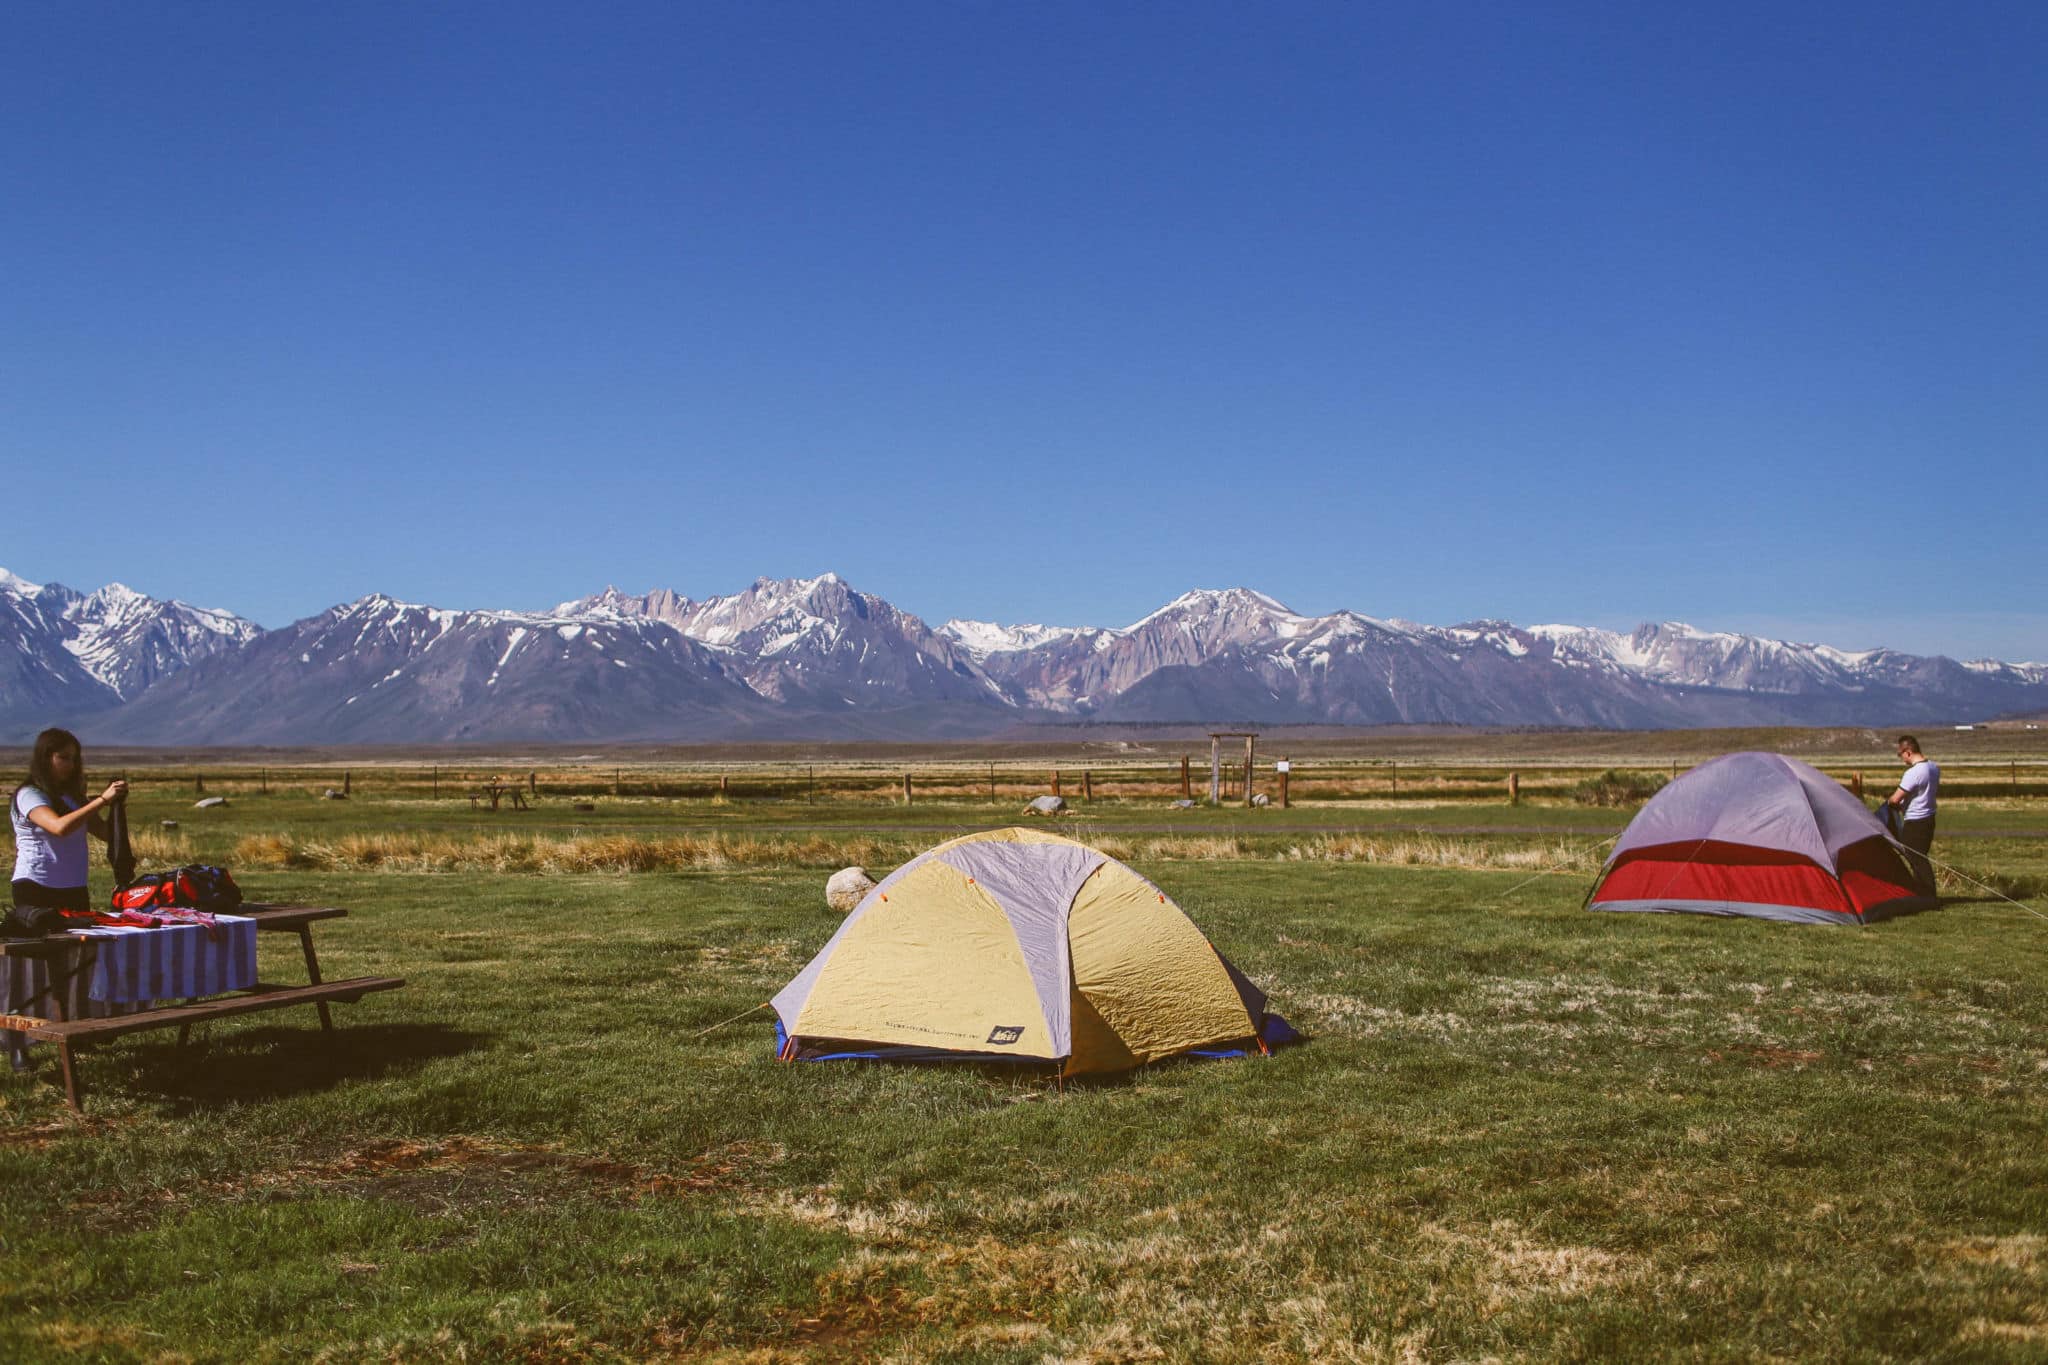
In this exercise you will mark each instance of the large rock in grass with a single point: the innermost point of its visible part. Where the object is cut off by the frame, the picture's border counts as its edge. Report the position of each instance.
(846, 888)
(1046, 805)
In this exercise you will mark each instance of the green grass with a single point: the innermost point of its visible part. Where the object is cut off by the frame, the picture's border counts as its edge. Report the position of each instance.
(1518, 1130)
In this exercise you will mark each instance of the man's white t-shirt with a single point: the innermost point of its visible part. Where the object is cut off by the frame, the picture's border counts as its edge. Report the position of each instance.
(1919, 784)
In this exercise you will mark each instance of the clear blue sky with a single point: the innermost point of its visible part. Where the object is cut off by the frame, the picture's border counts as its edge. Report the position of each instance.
(1728, 313)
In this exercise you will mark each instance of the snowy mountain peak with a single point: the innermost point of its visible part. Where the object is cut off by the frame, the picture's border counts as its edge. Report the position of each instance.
(1217, 603)
(983, 638)
(15, 584)
(376, 604)
(120, 595)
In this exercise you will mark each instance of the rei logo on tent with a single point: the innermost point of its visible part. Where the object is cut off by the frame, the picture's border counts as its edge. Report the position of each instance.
(1006, 1033)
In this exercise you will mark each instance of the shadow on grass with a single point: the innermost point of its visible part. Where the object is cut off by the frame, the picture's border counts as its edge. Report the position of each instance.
(252, 1065)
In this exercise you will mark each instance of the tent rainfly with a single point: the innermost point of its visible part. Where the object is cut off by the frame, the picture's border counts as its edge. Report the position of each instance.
(1019, 946)
(1760, 835)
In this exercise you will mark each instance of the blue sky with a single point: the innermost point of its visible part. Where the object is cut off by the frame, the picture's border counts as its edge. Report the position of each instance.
(1729, 313)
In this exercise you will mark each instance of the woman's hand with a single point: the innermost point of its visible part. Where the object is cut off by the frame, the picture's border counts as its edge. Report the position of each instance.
(115, 791)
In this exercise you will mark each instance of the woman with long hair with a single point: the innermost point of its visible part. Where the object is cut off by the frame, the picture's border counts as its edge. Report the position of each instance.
(51, 819)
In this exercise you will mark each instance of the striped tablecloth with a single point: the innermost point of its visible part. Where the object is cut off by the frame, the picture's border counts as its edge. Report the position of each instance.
(131, 969)
(174, 962)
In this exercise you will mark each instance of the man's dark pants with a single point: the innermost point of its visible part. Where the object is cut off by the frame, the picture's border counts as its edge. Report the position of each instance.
(1918, 835)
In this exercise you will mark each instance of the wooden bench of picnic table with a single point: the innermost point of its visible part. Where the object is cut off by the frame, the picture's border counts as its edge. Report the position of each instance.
(66, 1033)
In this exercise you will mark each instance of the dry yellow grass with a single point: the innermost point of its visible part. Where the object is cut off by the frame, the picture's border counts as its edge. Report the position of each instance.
(624, 853)
(400, 852)
(1429, 851)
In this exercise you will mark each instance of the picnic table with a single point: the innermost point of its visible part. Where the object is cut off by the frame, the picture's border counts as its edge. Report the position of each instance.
(83, 985)
(496, 790)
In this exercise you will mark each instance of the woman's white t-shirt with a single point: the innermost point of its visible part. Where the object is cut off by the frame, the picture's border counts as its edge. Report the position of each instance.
(56, 863)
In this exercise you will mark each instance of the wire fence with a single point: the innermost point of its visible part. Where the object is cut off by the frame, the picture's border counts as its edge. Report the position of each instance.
(1306, 782)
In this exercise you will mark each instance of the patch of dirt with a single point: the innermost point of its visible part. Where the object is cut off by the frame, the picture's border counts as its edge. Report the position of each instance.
(43, 1134)
(1766, 1056)
(1516, 1267)
(1984, 1329)
(726, 1168)
(2021, 1252)
(83, 1338)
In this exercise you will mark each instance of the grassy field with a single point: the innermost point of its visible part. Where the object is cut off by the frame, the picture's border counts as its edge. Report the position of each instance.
(1517, 1130)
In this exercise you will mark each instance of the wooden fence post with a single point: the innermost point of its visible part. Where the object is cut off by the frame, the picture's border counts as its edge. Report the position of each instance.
(721, 786)
(533, 784)
(1087, 785)
(198, 785)
(1055, 781)
(1286, 771)
(1856, 783)
(1187, 790)
(991, 784)
(1396, 772)
(347, 783)
(1514, 789)
(906, 789)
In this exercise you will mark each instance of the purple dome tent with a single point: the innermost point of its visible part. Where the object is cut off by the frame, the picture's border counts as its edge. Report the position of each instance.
(1761, 835)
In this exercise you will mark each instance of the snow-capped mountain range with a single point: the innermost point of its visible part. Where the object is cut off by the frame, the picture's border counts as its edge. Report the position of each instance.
(73, 652)
(816, 658)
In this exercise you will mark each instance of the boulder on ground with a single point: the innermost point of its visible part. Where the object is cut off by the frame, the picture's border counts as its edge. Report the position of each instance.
(1183, 804)
(1262, 800)
(209, 803)
(1046, 805)
(846, 888)
(334, 794)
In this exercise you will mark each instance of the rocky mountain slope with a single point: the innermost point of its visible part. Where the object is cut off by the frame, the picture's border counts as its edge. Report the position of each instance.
(382, 671)
(816, 643)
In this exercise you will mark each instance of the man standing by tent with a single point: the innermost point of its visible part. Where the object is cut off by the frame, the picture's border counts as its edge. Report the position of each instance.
(1914, 802)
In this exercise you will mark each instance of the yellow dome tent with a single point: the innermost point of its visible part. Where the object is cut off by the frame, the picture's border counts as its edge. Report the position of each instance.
(1015, 945)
